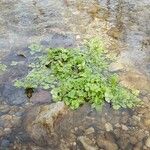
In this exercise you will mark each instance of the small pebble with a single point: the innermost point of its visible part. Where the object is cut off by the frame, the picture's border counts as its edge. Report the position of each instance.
(76, 129)
(108, 127)
(74, 144)
(117, 125)
(89, 131)
(5, 143)
(124, 127)
(147, 143)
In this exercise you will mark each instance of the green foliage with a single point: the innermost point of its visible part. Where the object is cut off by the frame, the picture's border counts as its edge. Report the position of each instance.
(35, 48)
(78, 76)
(2, 68)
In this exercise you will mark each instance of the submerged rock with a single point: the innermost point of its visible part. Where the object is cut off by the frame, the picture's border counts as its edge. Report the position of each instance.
(148, 142)
(116, 66)
(41, 96)
(106, 144)
(5, 143)
(114, 32)
(41, 121)
(12, 96)
(147, 122)
(124, 127)
(135, 80)
(9, 121)
(89, 130)
(108, 127)
(4, 109)
(1, 132)
(87, 143)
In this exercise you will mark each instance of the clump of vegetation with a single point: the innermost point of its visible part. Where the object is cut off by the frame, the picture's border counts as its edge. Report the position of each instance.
(35, 48)
(2, 68)
(78, 76)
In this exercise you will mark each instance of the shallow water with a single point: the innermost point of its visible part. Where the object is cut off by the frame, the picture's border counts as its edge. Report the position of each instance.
(124, 26)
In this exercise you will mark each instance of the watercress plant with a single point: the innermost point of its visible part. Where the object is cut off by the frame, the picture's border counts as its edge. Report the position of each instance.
(77, 76)
(2, 68)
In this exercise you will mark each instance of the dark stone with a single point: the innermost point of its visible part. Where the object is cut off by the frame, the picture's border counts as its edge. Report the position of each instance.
(45, 43)
(5, 143)
(41, 96)
(60, 40)
(12, 95)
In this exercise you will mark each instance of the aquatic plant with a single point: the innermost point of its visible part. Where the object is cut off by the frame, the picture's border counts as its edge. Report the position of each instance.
(77, 76)
(2, 68)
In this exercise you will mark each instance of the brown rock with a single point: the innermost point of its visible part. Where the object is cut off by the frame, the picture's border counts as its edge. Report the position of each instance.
(138, 146)
(117, 125)
(106, 144)
(9, 121)
(114, 32)
(7, 130)
(41, 121)
(135, 80)
(41, 96)
(147, 122)
(124, 127)
(108, 127)
(133, 140)
(93, 9)
(1, 132)
(116, 66)
(147, 143)
(87, 143)
(4, 108)
(89, 130)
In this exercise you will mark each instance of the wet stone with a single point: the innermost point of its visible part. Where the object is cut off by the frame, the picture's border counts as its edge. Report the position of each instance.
(5, 120)
(9, 121)
(87, 143)
(108, 127)
(106, 144)
(117, 125)
(147, 143)
(12, 95)
(116, 66)
(41, 96)
(4, 109)
(124, 143)
(19, 114)
(135, 80)
(40, 123)
(114, 32)
(124, 127)
(147, 122)
(7, 131)
(89, 130)
(5, 143)
(138, 146)
(60, 40)
(1, 132)
(133, 140)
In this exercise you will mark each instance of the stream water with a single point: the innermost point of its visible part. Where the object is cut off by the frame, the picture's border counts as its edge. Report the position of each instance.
(124, 27)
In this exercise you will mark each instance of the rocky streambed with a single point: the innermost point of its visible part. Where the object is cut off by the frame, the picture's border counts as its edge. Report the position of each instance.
(36, 122)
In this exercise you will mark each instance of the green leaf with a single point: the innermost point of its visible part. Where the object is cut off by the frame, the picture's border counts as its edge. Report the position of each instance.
(71, 94)
(2, 68)
(116, 107)
(78, 76)
(35, 48)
